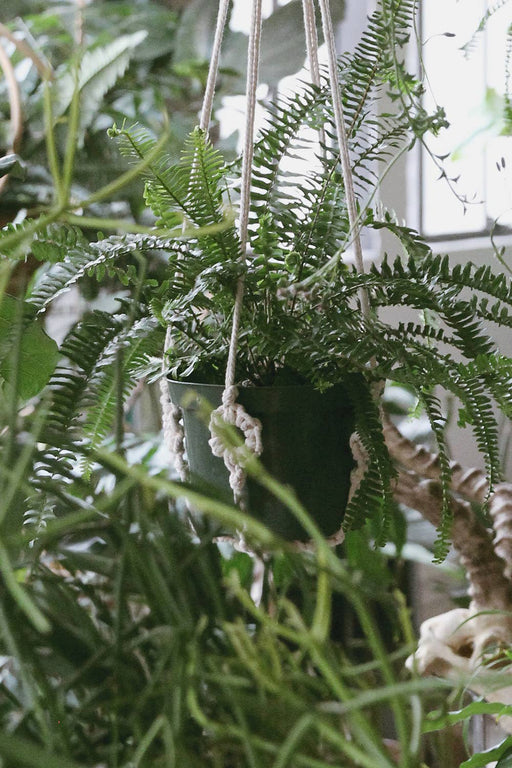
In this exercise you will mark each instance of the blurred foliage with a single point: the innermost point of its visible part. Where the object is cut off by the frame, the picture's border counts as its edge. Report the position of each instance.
(142, 61)
(128, 640)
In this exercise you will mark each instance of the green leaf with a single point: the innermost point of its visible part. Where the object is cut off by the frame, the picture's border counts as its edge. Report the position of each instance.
(12, 164)
(194, 36)
(505, 760)
(242, 563)
(38, 353)
(482, 759)
(98, 73)
(283, 50)
(31, 754)
(438, 720)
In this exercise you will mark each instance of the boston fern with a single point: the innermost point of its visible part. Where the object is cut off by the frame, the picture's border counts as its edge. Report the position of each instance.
(301, 320)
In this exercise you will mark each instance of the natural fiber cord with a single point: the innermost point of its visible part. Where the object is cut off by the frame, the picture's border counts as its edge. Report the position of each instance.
(230, 411)
(172, 416)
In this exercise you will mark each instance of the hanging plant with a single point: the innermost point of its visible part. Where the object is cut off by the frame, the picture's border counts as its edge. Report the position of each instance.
(303, 319)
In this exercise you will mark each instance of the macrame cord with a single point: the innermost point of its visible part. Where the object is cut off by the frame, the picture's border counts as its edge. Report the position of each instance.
(231, 412)
(172, 415)
(341, 135)
(310, 32)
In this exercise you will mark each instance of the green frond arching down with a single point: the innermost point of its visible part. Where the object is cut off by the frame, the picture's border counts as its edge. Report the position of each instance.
(433, 410)
(478, 411)
(374, 496)
(98, 71)
(63, 431)
(492, 8)
(71, 257)
(15, 238)
(123, 357)
(83, 347)
(405, 352)
(121, 350)
(416, 285)
(100, 348)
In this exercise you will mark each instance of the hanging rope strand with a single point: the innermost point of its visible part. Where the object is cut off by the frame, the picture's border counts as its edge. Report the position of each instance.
(308, 8)
(213, 70)
(231, 412)
(172, 423)
(253, 61)
(343, 146)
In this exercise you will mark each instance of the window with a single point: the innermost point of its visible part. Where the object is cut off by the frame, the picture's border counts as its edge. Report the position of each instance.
(466, 74)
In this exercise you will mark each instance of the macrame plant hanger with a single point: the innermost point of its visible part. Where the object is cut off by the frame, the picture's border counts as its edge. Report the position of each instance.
(231, 412)
(172, 417)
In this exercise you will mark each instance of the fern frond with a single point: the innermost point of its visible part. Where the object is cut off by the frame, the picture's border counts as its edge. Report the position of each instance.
(73, 257)
(15, 238)
(432, 408)
(99, 70)
(123, 356)
(373, 498)
(53, 242)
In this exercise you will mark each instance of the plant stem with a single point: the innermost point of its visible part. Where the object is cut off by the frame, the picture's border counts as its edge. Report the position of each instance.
(71, 139)
(12, 391)
(119, 225)
(220, 512)
(28, 684)
(379, 652)
(115, 186)
(51, 149)
(17, 238)
(25, 603)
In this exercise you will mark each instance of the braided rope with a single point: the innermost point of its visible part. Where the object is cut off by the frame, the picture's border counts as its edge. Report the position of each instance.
(341, 135)
(209, 93)
(172, 421)
(230, 411)
(235, 457)
(308, 8)
(172, 415)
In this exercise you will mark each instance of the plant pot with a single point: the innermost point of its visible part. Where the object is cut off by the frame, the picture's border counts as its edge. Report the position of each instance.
(305, 445)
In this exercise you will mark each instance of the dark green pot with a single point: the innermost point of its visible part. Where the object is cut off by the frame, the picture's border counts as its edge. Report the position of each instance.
(305, 445)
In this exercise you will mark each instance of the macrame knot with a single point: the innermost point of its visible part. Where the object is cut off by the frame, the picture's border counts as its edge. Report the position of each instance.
(235, 456)
(174, 434)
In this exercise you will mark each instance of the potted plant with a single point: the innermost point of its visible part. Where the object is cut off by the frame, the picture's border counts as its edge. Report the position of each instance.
(75, 503)
(301, 320)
